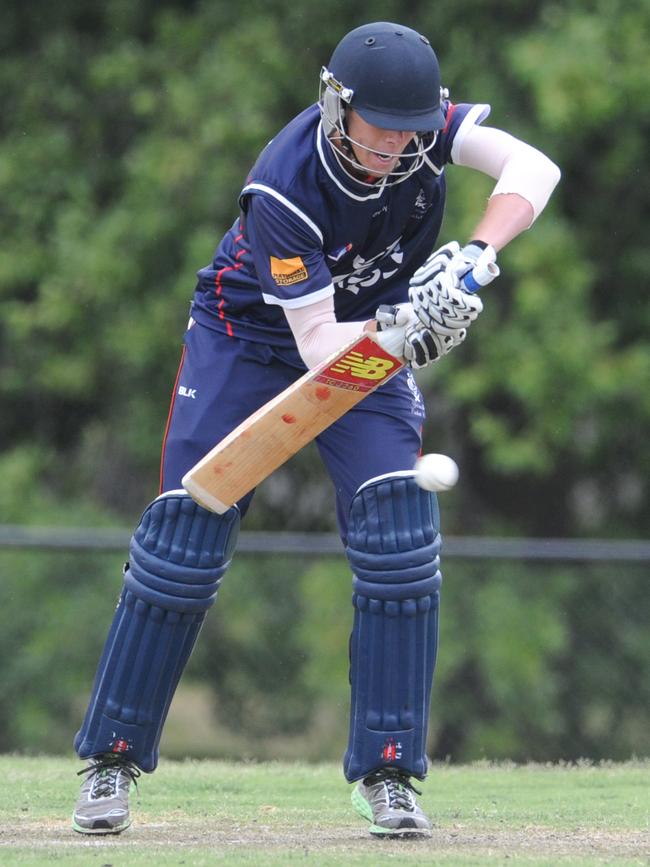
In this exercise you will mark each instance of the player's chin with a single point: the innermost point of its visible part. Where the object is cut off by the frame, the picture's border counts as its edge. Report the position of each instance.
(382, 167)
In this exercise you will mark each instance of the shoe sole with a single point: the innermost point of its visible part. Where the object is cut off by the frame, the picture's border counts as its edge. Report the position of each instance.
(115, 829)
(399, 833)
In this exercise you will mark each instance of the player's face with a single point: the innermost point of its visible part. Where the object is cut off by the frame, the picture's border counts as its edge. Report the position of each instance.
(368, 139)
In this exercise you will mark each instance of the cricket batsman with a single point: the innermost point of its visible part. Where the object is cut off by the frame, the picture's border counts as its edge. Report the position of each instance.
(337, 222)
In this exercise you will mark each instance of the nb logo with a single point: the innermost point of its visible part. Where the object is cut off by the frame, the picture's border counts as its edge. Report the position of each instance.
(187, 392)
(364, 368)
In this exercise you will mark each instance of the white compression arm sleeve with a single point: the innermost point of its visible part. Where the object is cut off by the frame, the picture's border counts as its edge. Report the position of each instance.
(519, 167)
(317, 332)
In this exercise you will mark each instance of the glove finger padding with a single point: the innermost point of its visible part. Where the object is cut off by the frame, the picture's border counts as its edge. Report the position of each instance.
(438, 261)
(423, 346)
(442, 306)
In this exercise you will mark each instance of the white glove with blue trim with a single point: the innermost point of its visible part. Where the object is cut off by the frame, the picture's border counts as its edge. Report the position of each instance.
(474, 265)
(437, 292)
(400, 332)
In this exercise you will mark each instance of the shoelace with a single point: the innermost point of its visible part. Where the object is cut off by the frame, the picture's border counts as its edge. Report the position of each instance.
(106, 770)
(398, 787)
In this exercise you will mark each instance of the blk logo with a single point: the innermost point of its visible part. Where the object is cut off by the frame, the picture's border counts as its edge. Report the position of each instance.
(187, 392)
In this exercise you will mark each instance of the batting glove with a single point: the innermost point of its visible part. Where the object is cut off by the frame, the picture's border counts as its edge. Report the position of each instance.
(441, 290)
(476, 253)
(459, 262)
(423, 346)
(400, 332)
(441, 305)
(438, 261)
(392, 323)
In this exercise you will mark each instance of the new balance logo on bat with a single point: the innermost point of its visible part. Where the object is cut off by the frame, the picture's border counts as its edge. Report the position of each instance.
(365, 368)
(362, 368)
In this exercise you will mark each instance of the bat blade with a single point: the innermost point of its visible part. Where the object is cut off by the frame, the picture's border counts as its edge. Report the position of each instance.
(280, 428)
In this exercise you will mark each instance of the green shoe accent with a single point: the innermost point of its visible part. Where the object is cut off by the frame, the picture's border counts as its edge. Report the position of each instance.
(360, 804)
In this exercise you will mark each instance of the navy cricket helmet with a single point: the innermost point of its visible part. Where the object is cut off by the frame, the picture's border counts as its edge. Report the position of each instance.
(389, 74)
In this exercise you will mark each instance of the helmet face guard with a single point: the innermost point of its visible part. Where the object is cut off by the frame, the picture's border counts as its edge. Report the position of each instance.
(334, 99)
(389, 75)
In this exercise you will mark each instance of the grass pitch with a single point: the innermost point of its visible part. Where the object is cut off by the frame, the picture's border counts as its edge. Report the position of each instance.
(205, 813)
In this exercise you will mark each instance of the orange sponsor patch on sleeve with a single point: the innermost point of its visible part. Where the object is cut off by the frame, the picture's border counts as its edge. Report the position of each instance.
(288, 271)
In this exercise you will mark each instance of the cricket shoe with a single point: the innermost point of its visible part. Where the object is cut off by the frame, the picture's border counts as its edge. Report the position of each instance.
(103, 805)
(386, 799)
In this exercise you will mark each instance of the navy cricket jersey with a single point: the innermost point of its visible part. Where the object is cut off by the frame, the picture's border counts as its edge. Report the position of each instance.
(308, 230)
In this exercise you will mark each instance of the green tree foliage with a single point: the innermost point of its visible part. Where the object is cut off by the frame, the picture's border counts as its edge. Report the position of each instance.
(126, 133)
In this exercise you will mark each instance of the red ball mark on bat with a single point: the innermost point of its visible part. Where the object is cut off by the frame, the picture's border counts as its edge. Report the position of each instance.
(323, 393)
(287, 418)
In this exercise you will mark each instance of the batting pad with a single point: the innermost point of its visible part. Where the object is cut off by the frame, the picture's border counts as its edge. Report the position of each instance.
(177, 558)
(393, 548)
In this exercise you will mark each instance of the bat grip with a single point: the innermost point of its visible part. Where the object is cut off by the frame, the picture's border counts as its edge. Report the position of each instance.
(482, 274)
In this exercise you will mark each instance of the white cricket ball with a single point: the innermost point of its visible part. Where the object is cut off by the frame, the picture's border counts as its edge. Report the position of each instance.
(436, 472)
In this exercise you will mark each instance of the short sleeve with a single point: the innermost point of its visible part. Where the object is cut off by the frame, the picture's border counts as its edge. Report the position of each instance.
(460, 118)
(287, 252)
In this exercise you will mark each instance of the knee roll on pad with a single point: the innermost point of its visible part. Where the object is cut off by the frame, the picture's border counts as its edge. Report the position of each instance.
(393, 548)
(177, 558)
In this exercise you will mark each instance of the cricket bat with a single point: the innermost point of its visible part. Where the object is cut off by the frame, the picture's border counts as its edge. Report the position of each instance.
(280, 428)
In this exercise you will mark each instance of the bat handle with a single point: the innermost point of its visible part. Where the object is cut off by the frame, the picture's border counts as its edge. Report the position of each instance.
(482, 274)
